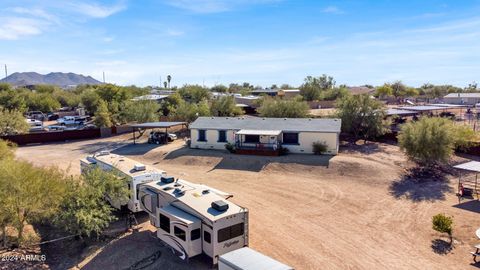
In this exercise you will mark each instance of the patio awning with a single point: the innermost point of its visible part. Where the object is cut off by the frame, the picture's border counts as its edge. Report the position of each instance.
(259, 132)
(473, 166)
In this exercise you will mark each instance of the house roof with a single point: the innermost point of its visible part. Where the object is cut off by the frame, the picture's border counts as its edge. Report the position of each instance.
(358, 90)
(258, 123)
(422, 108)
(158, 124)
(463, 95)
(150, 97)
(259, 132)
(400, 112)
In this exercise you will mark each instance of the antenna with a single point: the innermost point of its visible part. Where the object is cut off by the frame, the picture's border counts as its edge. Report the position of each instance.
(160, 81)
(104, 77)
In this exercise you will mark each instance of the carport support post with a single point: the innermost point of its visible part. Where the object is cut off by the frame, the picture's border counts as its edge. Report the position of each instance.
(134, 136)
(166, 135)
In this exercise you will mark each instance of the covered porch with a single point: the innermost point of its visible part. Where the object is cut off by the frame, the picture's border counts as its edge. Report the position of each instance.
(258, 142)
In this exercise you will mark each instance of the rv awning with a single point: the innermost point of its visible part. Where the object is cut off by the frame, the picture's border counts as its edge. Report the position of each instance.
(473, 166)
(259, 132)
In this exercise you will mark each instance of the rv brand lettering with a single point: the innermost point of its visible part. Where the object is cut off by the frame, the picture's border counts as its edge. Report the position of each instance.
(22, 257)
(228, 244)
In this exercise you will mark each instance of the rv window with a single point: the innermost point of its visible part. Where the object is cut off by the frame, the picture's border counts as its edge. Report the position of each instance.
(290, 138)
(165, 223)
(222, 136)
(207, 237)
(179, 233)
(201, 135)
(230, 232)
(195, 234)
(129, 192)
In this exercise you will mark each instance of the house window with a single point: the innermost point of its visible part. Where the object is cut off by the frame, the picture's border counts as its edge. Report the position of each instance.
(179, 233)
(230, 232)
(165, 223)
(195, 234)
(207, 237)
(201, 135)
(290, 138)
(252, 138)
(222, 136)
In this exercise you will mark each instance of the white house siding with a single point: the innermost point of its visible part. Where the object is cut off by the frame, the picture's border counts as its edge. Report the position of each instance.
(305, 139)
(212, 139)
(461, 100)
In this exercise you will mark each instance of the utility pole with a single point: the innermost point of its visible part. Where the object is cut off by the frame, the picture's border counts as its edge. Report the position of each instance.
(6, 73)
(104, 77)
(160, 82)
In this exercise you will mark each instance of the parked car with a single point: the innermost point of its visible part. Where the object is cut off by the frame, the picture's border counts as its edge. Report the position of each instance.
(52, 116)
(37, 115)
(159, 137)
(448, 115)
(35, 125)
(72, 120)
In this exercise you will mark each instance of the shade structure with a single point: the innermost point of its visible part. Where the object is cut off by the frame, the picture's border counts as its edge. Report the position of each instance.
(259, 132)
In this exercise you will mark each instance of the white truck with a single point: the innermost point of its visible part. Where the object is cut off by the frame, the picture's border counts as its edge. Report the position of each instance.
(136, 174)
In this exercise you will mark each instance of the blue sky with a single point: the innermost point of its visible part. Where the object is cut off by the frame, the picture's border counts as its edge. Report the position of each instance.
(258, 41)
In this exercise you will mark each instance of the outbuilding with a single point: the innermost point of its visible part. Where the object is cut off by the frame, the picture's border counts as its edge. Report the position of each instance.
(265, 135)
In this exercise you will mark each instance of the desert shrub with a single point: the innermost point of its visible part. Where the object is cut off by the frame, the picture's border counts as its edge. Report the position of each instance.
(230, 147)
(284, 151)
(442, 223)
(319, 148)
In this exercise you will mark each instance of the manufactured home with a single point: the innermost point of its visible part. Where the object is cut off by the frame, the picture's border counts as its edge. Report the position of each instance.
(194, 218)
(462, 98)
(265, 134)
(135, 173)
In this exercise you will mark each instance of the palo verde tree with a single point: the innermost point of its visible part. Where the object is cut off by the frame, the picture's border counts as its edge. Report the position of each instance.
(290, 108)
(225, 106)
(12, 122)
(444, 224)
(430, 141)
(84, 211)
(312, 87)
(140, 111)
(362, 116)
(103, 118)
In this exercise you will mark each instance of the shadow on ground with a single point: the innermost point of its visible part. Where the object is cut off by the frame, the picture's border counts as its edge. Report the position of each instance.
(441, 246)
(421, 185)
(229, 161)
(135, 149)
(366, 149)
(470, 205)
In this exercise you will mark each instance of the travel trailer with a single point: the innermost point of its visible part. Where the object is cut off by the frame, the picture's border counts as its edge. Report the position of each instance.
(135, 173)
(194, 218)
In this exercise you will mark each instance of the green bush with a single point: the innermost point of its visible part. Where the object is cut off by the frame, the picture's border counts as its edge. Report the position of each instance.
(442, 223)
(284, 151)
(230, 147)
(319, 148)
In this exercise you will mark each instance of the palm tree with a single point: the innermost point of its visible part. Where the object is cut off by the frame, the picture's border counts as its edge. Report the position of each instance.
(169, 78)
(165, 85)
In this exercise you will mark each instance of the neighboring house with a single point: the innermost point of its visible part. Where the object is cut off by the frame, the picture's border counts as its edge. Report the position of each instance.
(268, 92)
(286, 93)
(265, 134)
(462, 98)
(152, 97)
(359, 90)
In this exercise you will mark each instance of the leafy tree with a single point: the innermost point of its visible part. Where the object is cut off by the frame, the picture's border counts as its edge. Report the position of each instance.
(46, 88)
(90, 100)
(319, 147)
(283, 108)
(313, 86)
(6, 150)
(165, 84)
(170, 103)
(401, 90)
(432, 140)
(28, 193)
(219, 88)
(188, 112)
(286, 86)
(194, 93)
(444, 224)
(12, 122)
(103, 117)
(274, 86)
(84, 211)
(13, 100)
(43, 102)
(362, 116)
(140, 111)
(5, 87)
(472, 87)
(67, 98)
(225, 106)
(169, 78)
(384, 91)
(334, 93)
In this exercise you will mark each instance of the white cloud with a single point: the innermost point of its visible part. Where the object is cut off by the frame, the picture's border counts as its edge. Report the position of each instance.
(333, 10)
(12, 28)
(96, 10)
(214, 6)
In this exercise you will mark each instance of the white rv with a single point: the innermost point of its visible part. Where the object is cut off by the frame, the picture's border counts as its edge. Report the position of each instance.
(194, 218)
(134, 172)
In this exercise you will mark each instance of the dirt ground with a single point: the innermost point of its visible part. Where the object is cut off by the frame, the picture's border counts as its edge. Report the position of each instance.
(357, 210)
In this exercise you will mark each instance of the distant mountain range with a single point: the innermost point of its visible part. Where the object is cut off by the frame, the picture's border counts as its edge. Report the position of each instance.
(55, 78)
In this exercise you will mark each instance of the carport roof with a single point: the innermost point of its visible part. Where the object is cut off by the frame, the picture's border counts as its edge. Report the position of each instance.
(158, 124)
(473, 166)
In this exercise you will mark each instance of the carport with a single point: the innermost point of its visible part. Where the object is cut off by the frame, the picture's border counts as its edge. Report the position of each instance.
(152, 125)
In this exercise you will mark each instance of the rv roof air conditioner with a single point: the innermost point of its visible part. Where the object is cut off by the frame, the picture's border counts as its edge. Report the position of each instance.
(139, 167)
(220, 206)
(167, 179)
(103, 153)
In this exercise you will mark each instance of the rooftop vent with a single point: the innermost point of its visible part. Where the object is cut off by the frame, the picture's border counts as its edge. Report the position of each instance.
(103, 153)
(167, 179)
(139, 167)
(220, 206)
